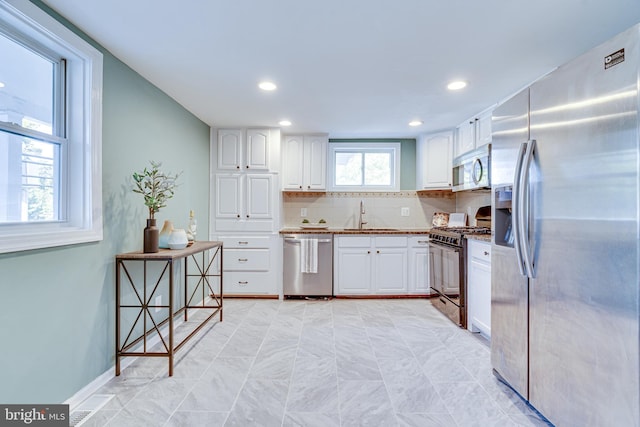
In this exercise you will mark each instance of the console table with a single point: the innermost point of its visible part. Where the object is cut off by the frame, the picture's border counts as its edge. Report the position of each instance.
(145, 291)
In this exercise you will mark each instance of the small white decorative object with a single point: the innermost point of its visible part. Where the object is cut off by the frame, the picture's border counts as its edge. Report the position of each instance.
(178, 239)
(192, 227)
(163, 241)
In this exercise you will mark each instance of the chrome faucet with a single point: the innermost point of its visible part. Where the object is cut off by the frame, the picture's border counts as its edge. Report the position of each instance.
(362, 212)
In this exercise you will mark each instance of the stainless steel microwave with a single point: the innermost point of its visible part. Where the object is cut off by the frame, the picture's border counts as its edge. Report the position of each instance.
(472, 170)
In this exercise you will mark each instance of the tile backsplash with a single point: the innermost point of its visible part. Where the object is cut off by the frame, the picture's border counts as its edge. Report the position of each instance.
(469, 202)
(383, 209)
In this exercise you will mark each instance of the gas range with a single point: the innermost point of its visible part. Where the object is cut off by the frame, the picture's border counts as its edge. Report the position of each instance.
(454, 236)
(448, 271)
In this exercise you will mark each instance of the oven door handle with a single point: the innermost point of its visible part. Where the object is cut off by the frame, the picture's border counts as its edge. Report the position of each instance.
(445, 247)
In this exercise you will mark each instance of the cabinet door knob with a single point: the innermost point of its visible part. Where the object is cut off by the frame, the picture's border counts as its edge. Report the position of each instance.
(237, 167)
(238, 215)
(368, 252)
(243, 283)
(247, 166)
(243, 259)
(377, 252)
(486, 253)
(247, 215)
(301, 187)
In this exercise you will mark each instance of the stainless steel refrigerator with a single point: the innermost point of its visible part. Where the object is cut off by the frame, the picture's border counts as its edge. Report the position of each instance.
(565, 251)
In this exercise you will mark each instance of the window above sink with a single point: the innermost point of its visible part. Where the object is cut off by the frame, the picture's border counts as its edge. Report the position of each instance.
(364, 166)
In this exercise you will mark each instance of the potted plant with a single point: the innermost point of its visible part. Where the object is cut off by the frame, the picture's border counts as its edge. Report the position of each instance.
(157, 188)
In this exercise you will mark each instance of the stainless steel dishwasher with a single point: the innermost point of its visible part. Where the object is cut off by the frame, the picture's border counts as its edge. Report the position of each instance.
(297, 283)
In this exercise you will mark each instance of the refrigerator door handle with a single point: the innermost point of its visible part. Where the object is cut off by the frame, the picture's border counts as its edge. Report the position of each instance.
(517, 208)
(524, 211)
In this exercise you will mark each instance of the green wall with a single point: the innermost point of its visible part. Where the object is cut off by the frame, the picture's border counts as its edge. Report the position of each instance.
(407, 158)
(57, 306)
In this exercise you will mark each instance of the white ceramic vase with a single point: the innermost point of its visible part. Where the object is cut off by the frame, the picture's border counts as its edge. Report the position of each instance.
(178, 239)
(167, 228)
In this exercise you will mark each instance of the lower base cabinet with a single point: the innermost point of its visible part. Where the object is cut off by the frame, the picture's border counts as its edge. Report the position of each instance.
(419, 265)
(479, 287)
(380, 265)
(250, 265)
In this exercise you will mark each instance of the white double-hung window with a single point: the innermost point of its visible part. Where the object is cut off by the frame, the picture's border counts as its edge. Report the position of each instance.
(50, 132)
(362, 166)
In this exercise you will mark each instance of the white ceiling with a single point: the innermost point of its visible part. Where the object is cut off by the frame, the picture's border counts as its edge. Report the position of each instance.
(353, 68)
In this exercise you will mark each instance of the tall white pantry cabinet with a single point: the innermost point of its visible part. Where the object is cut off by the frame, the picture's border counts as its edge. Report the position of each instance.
(245, 208)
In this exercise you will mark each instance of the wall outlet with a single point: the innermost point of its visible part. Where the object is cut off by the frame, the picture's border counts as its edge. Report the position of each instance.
(404, 211)
(303, 212)
(158, 303)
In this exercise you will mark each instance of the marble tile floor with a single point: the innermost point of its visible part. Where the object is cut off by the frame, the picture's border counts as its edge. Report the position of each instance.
(342, 362)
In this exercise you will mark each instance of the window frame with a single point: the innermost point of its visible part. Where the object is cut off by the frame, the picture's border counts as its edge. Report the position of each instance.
(394, 148)
(81, 164)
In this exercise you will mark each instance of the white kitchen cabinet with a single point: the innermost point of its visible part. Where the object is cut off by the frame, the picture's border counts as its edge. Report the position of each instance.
(434, 156)
(240, 149)
(244, 187)
(483, 129)
(473, 133)
(479, 287)
(304, 162)
(466, 137)
(352, 266)
(249, 265)
(390, 268)
(419, 265)
(370, 265)
(244, 202)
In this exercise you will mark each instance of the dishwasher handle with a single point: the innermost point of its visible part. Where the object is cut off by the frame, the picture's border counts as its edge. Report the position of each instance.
(294, 240)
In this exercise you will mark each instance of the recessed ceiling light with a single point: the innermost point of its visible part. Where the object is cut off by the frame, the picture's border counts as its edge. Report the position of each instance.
(415, 122)
(267, 86)
(1, 85)
(284, 123)
(457, 85)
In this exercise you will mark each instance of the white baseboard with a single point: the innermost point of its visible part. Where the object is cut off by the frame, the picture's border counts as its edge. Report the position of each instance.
(86, 391)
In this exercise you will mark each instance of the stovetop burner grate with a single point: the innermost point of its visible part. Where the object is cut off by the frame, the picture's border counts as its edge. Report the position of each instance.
(462, 230)
(454, 236)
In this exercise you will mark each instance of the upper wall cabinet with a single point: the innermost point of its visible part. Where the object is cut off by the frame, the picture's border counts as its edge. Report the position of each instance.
(304, 162)
(244, 149)
(473, 133)
(466, 137)
(433, 168)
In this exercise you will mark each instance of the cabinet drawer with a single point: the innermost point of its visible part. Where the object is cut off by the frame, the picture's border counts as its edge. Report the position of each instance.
(354, 242)
(245, 242)
(391, 241)
(246, 259)
(248, 283)
(419, 241)
(480, 251)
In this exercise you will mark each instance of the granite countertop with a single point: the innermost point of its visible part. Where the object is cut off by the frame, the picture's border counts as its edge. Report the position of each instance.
(299, 230)
(481, 237)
